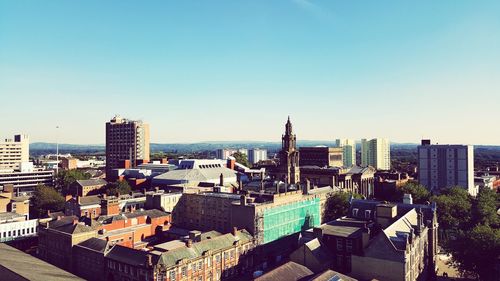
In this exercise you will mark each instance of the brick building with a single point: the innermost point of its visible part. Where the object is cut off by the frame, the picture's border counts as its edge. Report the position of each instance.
(221, 257)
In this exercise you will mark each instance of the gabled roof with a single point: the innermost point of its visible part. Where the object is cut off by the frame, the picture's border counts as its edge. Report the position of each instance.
(289, 271)
(319, 251)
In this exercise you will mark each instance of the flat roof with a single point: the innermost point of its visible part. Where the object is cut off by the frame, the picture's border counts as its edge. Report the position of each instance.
(31, 268)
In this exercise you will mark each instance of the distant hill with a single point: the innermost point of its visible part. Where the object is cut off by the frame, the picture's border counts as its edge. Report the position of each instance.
(38, 148)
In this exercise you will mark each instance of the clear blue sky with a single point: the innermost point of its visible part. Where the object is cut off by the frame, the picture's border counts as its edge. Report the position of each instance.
(234, 70)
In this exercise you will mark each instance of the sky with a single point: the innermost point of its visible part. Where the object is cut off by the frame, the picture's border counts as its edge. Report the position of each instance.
(234, 70)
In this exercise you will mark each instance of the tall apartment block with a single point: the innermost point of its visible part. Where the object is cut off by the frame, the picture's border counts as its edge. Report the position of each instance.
(14, 151)
(256, 155)
(441, 166)
(126, 140)
(376, 153)
(349, 151)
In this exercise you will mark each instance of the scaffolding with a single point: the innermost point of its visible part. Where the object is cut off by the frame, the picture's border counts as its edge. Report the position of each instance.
(284, 220)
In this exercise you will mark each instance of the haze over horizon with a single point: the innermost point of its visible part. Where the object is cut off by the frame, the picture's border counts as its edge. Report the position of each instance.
(234, 70)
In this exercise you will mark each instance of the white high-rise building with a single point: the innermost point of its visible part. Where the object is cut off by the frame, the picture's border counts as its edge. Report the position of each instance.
(376, 153)
(224, 153)
(441, 166)
(256, 155)
(13, 152)
(349, 151)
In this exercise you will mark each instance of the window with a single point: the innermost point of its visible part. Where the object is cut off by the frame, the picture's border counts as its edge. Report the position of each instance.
(172, 275)
(217, 257)
(348, 245)
(367, 214)
(354, 212)
(184, 271)
(340, 244)
(200, 263)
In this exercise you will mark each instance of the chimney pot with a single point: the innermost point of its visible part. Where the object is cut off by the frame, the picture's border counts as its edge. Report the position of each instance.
(189, 243)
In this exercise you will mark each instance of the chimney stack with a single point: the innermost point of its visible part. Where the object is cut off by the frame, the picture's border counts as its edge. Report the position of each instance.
(234, 231)
(243, 200)
(149, 260)
(221, 179)
(189, 243)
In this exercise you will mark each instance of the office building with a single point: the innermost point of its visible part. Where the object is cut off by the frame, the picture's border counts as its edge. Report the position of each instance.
(321, 156)
(441, 166)
(376, 153)
(14, 151)
(349, 151)
(126, 140)
(224, 153)
(256, 155)
(26, 181)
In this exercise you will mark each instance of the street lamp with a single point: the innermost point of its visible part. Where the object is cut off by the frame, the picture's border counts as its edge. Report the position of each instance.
(57, 150)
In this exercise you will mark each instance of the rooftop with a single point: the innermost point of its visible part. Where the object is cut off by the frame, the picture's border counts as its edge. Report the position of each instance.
(91, 182)
(31, 268)
(289, 271)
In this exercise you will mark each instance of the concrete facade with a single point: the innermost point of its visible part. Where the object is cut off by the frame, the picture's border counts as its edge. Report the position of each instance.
(321, 156)
(442, 166)
(376, 153)
(349, 151)
(14, 151)
(126, 140)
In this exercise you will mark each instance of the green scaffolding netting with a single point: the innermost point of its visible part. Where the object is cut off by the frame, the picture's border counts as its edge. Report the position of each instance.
(291, 218)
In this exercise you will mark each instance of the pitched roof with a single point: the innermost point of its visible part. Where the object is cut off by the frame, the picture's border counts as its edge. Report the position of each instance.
(95, 244)
(91, 182)
(31, 268)
(289, 271)
(68, 225)
(319, 251)
(89, 200)
(171, 258)
(330, 275)
(130, 256)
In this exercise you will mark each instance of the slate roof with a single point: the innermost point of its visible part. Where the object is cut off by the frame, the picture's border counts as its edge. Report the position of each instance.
(330, 275)
(197, 249)
(89, 200)
(130, 256)
(319, 251)
(67, 225)
(31, 268)
(153, 213)
(95, 244)
(91, 182)
(402, 209)
(289, 271)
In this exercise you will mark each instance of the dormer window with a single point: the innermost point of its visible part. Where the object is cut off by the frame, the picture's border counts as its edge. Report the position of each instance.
(354, 212)
(367, 214)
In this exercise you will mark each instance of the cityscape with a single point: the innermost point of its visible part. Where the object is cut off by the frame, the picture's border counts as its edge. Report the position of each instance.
(174, 171)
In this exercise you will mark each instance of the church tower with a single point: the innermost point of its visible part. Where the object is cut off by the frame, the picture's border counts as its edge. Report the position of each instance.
(289, 156)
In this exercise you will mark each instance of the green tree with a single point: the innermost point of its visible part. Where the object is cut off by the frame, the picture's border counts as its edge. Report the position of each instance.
(418, 192)
(485, 208)
(65, 178)
(453, 209)
(241, 158)
(475, 252)
(118, 187)
(337, 205)
(45, 199)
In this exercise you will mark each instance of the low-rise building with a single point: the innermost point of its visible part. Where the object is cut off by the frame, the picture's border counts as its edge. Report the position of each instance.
(25, 182)
(14, 226)
(218, 258)
(375, 236)
(87, 187)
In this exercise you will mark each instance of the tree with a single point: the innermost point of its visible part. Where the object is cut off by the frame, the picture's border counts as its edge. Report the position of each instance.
(418, 192)
(66, 178)
(475, 252)
(241, 158)
(453, 209)
(45, 199)
(485, 208)
(118, 187)
(337, 205)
